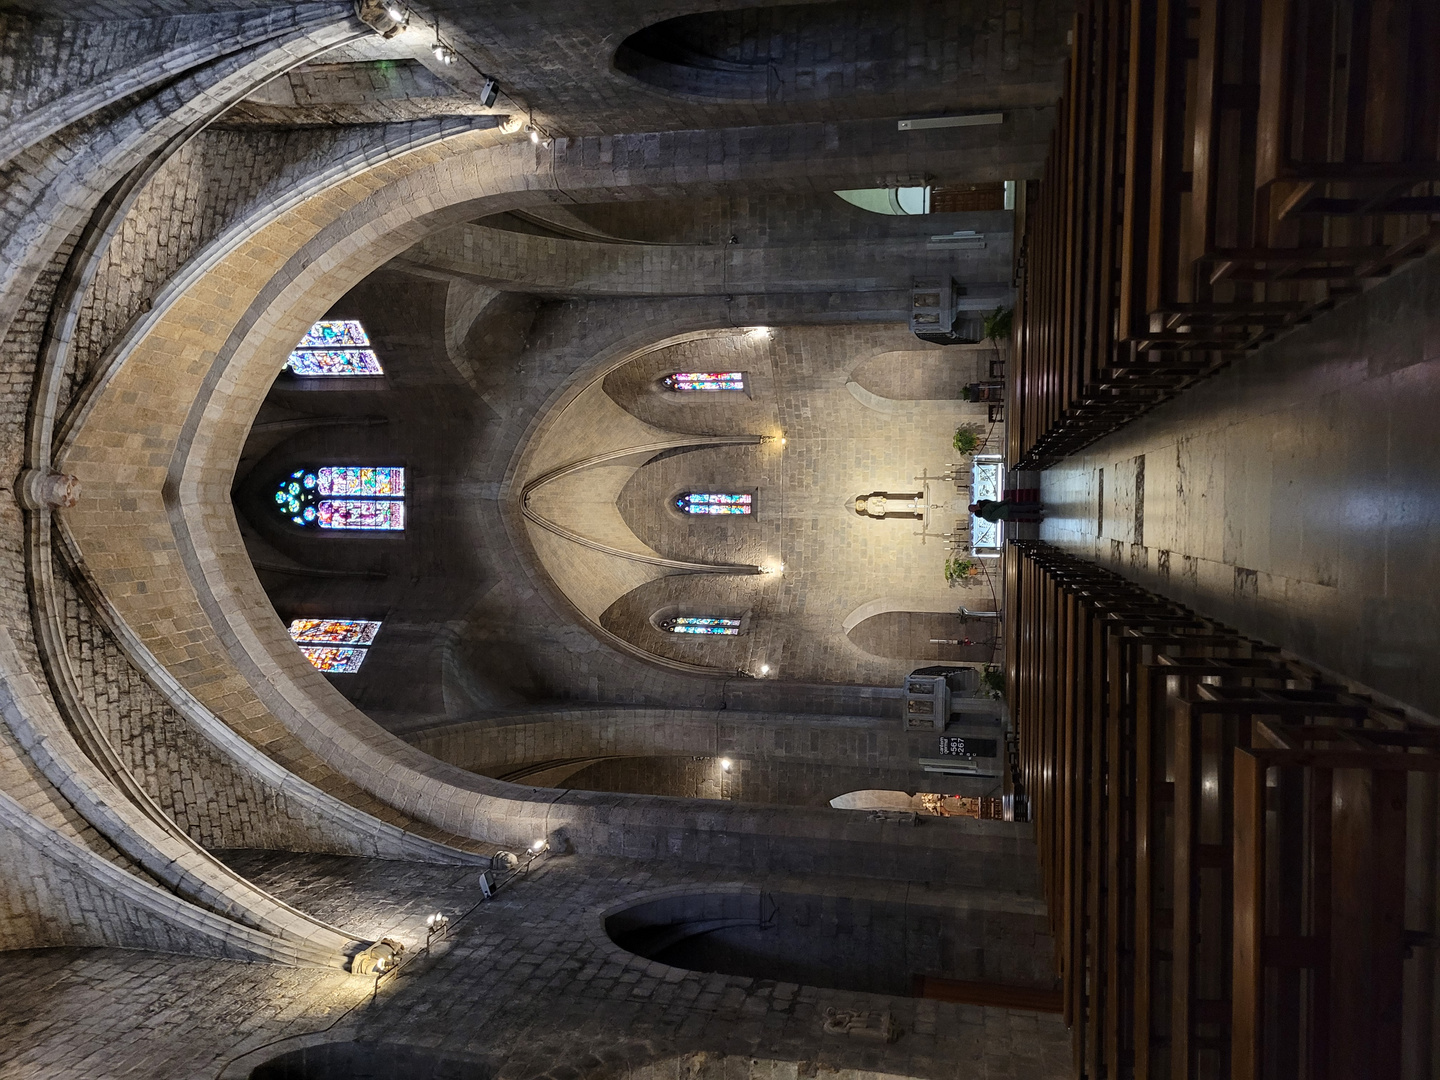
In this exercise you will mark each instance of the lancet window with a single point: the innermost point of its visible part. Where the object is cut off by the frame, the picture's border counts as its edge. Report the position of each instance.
(685, 381)
(712, 502)
(335, 347)
(702, 624)
(337, 646)
(344, 497)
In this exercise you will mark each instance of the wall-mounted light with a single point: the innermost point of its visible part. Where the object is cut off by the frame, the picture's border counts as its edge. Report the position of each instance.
(760, 333)
(764, 669)
(725, 764)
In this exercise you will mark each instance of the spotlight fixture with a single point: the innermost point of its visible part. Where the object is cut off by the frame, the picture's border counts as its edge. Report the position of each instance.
(534, 851)
(764, 669)
(759, 332)
(441, 51)
(534, 135)
(435, 926)
(725, 763)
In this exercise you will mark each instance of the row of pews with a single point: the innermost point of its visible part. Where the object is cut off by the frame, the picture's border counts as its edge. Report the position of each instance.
(1220, 171)
(1222, 835)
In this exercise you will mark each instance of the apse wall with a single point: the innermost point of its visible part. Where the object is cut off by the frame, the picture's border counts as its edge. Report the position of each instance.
(836, 448)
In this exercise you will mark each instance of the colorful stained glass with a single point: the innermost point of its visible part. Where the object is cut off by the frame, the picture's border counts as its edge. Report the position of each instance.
(361, 514)
(710, 502)
(326, 350)
(333, 631)
(386, 483)
(705, 380)
(702, 624)
(334, 333)
(298, 497)
(337, 661)
(335, 362)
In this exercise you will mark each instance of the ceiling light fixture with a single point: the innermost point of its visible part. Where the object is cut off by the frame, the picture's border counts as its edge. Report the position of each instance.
(441, 51)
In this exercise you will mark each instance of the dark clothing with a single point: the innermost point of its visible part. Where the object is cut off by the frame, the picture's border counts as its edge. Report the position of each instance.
(1004, 509)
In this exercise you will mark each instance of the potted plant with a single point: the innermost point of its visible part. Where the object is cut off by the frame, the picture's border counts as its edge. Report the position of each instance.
(998, 324)
(993, 680)
(967, 440)
(961, 569)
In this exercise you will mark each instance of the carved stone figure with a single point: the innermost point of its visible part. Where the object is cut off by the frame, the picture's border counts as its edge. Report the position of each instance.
(874, 1027)
(883, 504)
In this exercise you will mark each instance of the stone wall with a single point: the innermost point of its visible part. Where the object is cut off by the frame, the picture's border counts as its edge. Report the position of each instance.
(225, 245)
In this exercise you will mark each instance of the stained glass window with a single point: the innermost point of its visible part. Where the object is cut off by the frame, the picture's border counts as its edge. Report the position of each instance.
(705, 380)
(337, 646)
(322, 497)
(333, 631)
(709, 502)
(329, 349)
(337, 661)
(702, 624)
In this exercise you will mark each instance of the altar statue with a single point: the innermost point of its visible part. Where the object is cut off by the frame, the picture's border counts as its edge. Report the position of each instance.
(883, 504)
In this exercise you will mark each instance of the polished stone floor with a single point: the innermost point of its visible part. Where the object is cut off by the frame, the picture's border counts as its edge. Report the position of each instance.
(1295, 495)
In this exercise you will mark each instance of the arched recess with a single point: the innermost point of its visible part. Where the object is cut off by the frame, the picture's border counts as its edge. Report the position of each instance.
(203, 358)
(934, 56)
(925, 636)
(924, 373)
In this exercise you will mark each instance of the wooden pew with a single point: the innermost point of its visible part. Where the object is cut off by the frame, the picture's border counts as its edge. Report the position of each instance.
(1182, 944)
(1221, 171)
(1319, 892)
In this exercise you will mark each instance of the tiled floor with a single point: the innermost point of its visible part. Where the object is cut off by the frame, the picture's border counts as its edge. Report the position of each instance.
(1296, 495)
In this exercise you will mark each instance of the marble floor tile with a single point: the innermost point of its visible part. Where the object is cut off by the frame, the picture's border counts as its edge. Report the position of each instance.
(1295, 495)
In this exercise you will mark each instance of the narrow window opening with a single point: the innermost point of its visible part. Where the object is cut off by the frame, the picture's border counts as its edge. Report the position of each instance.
(335, 646)
(335, 347)
(344, 497)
